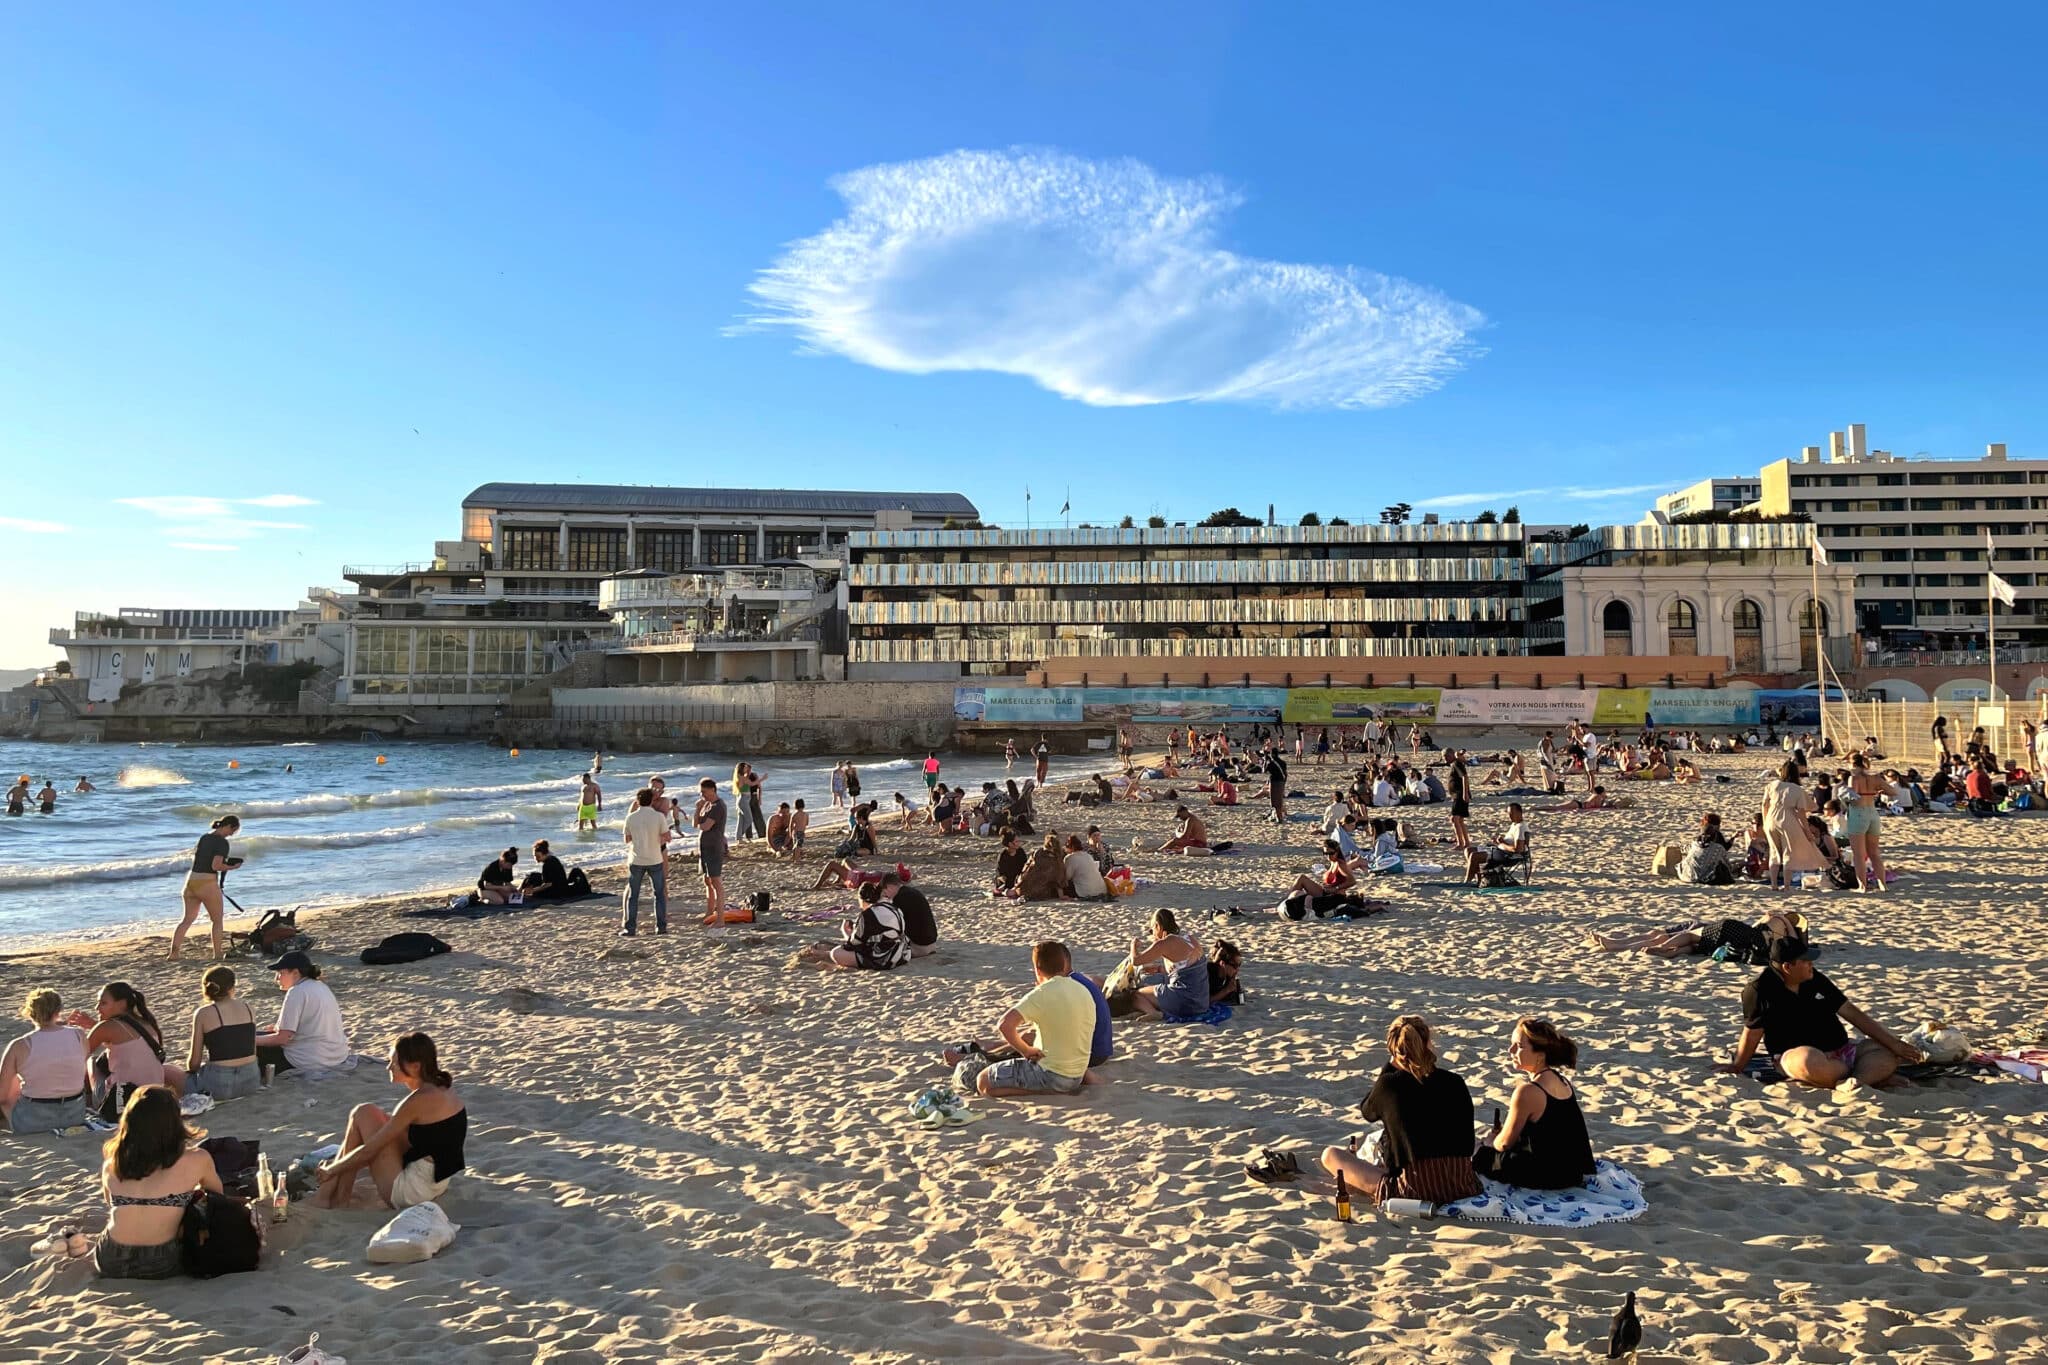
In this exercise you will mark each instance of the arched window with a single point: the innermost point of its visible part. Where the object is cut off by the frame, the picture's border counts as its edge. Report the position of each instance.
(1617, 627)
(1749, 637)
(1749, 617)
(1808, 660)
(1681, 628)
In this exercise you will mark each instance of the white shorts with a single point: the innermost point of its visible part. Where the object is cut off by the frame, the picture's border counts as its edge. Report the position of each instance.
(416, 1185)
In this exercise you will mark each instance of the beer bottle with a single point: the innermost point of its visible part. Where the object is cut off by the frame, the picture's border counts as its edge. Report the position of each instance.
(1343, 1199)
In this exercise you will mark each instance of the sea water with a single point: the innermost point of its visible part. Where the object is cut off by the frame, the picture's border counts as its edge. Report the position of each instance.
(340, 826)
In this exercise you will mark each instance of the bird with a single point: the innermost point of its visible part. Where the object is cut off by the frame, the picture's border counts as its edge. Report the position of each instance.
(1627, 1335)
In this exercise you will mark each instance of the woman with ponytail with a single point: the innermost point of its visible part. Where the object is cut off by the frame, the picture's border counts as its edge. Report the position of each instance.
(412, 1152)
(203, 889)
(1544, 1144)
(127, 1045)
(1426, 1112)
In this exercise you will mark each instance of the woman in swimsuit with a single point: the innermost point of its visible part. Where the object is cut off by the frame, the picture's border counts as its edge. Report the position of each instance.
(1184, 994)
(413, 1151)
(1544, 1144)
(224, 1035)
(152, 1170)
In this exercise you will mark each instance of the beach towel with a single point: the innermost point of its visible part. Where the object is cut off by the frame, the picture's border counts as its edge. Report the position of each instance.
(1610, 1195)
(462, 908)
(1215, 1015)
(1765, 1071)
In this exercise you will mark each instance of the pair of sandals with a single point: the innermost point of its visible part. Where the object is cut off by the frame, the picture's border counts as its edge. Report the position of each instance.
(1274, 1168)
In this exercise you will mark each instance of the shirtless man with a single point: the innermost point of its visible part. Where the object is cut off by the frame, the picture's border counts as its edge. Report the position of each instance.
(588, 803)
(1190, 835)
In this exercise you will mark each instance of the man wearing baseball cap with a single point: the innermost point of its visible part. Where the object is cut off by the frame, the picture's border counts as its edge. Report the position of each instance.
(1796, 1014)
(309, 1034)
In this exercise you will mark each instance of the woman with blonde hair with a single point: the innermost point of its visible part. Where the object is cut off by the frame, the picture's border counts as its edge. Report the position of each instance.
(42, 1074)
(1426, 1117)
(1543, 1145)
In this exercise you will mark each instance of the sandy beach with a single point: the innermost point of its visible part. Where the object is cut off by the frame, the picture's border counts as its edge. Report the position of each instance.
(687, 1149)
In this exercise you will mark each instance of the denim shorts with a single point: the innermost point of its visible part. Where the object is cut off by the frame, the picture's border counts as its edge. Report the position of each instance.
(228, 1082)
(47, 1116)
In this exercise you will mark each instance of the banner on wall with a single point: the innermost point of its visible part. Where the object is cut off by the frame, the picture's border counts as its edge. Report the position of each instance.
(1513, 706)
(1182, 705)
(1352, 705)
(1795, 708)
(970, 704)
(1681, 708)
(1621, 706)
(1029, 705)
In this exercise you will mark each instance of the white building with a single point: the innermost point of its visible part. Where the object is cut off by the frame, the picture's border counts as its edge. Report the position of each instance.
(153, 644)
(1711, 495)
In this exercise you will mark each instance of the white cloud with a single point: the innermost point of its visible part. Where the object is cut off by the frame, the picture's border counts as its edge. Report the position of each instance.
(1579, 494)
(204, 523)
(34, 528)
(1102, 281)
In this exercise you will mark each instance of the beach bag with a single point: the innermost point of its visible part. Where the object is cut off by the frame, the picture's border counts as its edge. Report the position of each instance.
(1840, 875)
(402, 948)
(222, 1236)
(1120, 992)
(1405, 836)
(416, 1234)
(1948, 1044)
(758, 904)
(1120, 881)
(1664, 863)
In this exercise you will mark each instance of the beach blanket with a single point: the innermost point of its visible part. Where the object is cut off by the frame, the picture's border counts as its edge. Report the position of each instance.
(1610, 1195)
(1215, 1015)
(1762, 1069)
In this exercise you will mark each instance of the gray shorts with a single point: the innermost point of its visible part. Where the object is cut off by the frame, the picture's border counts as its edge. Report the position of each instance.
(119, 1261)
(47, 1116)
(1015, 1073)
(228, 1082)
(711, 859)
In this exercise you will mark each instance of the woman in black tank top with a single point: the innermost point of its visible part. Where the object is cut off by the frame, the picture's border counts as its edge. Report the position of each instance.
(221, 1057)
(1543, 1145)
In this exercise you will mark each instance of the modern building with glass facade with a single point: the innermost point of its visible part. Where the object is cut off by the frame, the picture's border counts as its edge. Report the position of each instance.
(932, 603)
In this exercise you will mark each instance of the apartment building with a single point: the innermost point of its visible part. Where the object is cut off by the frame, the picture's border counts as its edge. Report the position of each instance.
(1710, 495)
(925, 603)
(1912, 529)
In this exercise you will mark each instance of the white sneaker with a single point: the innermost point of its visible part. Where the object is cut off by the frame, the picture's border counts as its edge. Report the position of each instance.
(311, 1354)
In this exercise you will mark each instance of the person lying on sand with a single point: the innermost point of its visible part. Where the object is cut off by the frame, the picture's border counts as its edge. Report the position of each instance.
(1175, 956)
(1059, 1014)
(1796, 1015)
(1336, 877)
(1512, 843)
(1697, 938)
(1595, 801)
(875, 940)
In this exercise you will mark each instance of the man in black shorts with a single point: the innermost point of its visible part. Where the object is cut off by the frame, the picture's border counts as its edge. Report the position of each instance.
(1796, 1014)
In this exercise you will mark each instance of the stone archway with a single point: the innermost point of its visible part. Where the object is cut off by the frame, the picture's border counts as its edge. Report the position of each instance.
(1617, 629)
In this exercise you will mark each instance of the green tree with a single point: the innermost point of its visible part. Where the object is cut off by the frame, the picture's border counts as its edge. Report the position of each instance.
(1310, 519)
(1229, 516)
(1580, 529)
(1511, 517)
(1338, 521)
(1125, 525)
(1156, 523)
(1486, 518)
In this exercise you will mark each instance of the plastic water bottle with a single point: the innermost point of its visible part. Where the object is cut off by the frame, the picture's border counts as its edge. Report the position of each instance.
(1408, 1208)
(1721, 953)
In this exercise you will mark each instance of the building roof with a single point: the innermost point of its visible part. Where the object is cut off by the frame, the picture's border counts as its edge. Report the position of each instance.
(595, 497)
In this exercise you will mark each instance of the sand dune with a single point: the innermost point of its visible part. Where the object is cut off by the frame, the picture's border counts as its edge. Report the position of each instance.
(685, 1150)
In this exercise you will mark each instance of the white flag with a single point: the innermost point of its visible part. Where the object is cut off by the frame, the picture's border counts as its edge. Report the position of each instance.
(2002, 590)
(1820, 551)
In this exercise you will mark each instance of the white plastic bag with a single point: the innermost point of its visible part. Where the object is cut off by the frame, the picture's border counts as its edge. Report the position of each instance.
(1940, 1044)
(415, 1234)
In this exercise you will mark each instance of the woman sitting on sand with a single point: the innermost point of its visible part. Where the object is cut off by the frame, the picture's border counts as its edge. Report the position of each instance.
(552, 882)
(42, 1073)
(224, 1035)
(1184, 993)
(152, 1168)
(1336, 877)
(494, 884)
(1045, 875)
(131, 1047)
(1426, 1113)
(1685, 770)
(1225, 962)
(1544, 1144)
(412, 1152)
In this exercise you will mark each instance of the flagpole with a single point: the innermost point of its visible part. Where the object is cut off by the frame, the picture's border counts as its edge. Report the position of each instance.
(1990, 617)
(1820, 677)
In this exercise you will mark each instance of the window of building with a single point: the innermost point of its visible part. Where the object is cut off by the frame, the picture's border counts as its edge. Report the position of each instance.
(1617, 628)
(790, 544)
(530, 547)
(596, 549)
(1681, 624)
(443, 650)
(476, 525)
(728, 547)
(668, 551)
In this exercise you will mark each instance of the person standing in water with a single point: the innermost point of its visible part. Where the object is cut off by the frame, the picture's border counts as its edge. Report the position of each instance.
(210, 862)
(46, 799)
(596, 764)
(1043, 755)
(838, 786)
(84, 785)
(1009, 754)
(17, 797)
(588, 804)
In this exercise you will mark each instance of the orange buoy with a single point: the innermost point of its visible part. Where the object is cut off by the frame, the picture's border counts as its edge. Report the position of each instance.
(234, 763)
(515, 753)
(380, 760)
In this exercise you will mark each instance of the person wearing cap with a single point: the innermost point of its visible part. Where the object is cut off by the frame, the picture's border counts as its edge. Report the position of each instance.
(1796, 1014)
(309, 1034)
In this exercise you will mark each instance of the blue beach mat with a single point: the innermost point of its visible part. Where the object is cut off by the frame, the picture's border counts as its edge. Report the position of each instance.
(1216, 1015)
(1610, 1195)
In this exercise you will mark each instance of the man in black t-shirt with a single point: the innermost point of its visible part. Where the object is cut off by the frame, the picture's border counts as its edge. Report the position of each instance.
(1796, 1014)
(920, 926)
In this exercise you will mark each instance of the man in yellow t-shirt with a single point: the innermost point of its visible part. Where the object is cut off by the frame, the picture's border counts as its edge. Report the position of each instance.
(1059, 1013)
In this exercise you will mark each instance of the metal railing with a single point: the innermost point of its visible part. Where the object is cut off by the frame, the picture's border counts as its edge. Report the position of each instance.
(694, 639)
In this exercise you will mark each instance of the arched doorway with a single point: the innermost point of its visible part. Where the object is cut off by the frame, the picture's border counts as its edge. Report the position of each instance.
(1749, 637)
(1808, 659)
(1617, 629)
(1682, 628)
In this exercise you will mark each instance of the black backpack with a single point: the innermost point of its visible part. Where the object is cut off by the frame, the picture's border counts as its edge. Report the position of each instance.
(221, 1235)
(403, 948)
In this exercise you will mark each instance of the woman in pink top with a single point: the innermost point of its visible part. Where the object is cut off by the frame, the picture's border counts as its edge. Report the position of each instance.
(42, 1074)
(134, 1046)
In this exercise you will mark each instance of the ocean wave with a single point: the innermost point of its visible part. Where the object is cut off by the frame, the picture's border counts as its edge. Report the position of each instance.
(142, 775)
(327, 803)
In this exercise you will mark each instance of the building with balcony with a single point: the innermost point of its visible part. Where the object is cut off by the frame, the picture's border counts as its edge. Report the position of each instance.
(937, 603)
(1710, 495)
(765, 624)
(1913, 532)
(152, 644)
(1742, 592)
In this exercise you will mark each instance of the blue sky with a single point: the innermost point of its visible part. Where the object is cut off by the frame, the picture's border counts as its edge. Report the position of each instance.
(1172, 257)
